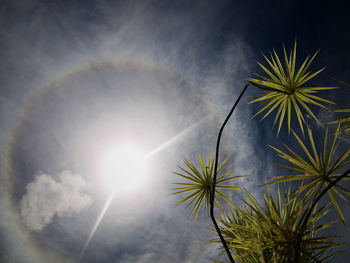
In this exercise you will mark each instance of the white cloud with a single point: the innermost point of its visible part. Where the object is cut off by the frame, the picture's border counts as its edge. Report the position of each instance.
(46, 198)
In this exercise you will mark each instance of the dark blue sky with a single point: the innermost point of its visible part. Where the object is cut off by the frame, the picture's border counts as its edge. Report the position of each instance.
(77, 76)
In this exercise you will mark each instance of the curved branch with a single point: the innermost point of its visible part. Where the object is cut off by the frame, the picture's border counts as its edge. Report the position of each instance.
(312, 207)
(212, 192)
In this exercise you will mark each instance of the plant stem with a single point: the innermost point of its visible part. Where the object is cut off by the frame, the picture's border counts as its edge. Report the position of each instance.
(314, 203)
(212, 192)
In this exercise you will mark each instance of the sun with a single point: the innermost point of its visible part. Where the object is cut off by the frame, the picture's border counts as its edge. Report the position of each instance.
(123, 167)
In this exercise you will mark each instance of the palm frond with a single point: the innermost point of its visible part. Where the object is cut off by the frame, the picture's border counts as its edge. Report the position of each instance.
(268, 233)
(283, 89)
(316, 169)
(199, 181)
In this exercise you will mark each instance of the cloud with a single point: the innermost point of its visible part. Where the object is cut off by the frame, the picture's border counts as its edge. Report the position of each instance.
(142, 32)
(46, 198)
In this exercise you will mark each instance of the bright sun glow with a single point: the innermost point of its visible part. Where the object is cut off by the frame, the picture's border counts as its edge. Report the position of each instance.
(123, 167)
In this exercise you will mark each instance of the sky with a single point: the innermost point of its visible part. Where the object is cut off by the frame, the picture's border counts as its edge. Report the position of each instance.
(78, 77)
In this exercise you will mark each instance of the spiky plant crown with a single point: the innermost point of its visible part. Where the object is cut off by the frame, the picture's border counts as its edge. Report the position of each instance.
(199, 182)
(269, 233)
(317, 168)
(284, 89)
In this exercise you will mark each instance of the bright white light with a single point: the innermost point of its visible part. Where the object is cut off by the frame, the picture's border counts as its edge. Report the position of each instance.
(134, 167)
(123, 167)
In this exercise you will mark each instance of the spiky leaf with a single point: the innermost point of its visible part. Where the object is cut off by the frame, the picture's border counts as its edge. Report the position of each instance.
(316, 168)
(198, 182)
(269, 232)
(284, 90)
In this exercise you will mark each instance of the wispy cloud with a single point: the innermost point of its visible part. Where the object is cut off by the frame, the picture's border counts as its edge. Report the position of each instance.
(47, 197)
(185, 42)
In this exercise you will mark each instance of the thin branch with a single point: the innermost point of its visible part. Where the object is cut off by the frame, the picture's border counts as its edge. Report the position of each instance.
(212, 192)
(312, 207)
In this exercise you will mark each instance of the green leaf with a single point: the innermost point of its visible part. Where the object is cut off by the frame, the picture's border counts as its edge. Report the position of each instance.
(269, 232)
(199, 182)
(283, 91)
(316, 170)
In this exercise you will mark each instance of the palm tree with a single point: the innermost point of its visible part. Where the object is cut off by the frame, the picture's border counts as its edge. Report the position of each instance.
(317, 169)
(258, 233)
(284, 90)
(289, 228)
(199, 182)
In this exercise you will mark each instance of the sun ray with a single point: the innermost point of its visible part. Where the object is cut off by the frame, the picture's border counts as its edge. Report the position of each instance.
(113, 193)
(98, 221)
(176, 137)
